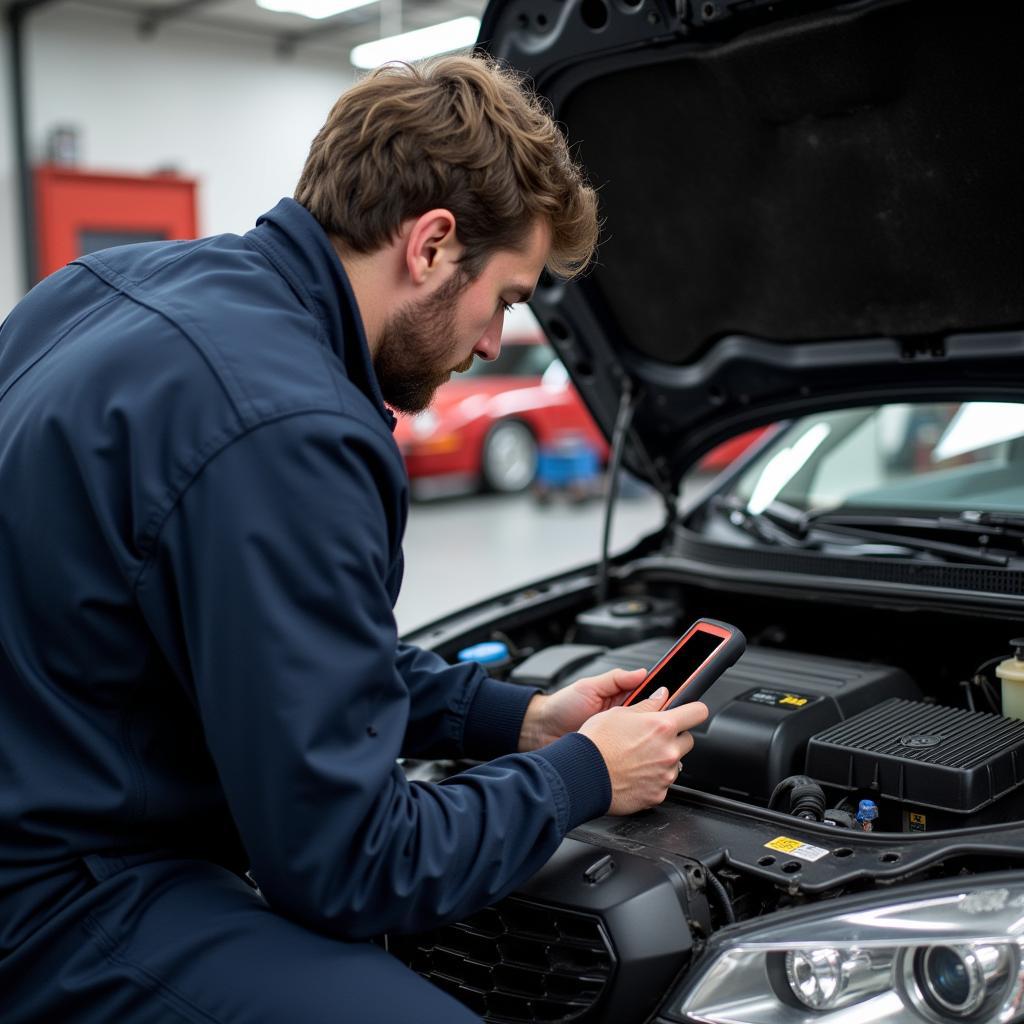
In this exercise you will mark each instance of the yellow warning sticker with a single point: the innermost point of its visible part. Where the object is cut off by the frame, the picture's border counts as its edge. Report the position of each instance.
(783, 845)
(795, 848)
(918, 822)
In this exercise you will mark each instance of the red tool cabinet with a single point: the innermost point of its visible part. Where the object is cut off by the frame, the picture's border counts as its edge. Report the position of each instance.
(78, 212)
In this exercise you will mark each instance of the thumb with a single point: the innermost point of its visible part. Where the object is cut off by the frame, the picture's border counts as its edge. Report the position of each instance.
(615, 684)
(653, 703)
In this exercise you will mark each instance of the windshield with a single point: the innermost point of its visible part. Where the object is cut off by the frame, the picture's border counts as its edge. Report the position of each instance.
(942, 457)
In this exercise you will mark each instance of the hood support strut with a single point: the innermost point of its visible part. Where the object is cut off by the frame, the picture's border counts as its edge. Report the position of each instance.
(620, 436)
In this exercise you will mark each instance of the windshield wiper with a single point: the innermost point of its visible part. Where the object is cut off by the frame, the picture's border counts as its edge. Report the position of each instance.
(1009, 523)
(787, 533)
(784, 525)
(988, 530)
(979, 524)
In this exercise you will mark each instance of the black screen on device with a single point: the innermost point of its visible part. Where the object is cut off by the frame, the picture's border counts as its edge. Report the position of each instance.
(682, 664)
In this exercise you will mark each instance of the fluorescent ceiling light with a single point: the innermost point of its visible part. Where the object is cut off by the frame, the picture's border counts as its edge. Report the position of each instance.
(312, 8)
(423, 42)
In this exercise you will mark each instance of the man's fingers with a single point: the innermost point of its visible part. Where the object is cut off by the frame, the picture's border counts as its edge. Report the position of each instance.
(655, 702)
(628, 679)
(616, 682)
(686, 716)
(621, 681)
(685, 745)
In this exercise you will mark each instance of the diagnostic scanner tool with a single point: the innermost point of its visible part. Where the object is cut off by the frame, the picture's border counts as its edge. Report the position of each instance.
(693, 663)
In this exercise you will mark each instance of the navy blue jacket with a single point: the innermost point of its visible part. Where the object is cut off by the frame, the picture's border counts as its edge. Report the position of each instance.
(201, 517)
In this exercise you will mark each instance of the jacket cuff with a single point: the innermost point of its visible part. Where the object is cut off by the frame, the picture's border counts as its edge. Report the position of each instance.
(495, 719)
(584, 777)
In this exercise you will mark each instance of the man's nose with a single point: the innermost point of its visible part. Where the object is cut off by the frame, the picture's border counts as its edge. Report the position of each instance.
(489, 344)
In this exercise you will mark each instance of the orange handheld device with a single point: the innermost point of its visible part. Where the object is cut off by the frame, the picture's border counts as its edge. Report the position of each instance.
(693, 663)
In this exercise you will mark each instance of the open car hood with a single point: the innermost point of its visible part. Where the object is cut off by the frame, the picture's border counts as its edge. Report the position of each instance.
(805, 205)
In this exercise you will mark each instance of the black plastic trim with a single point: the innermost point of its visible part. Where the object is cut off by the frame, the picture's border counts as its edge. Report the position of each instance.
(721, 832)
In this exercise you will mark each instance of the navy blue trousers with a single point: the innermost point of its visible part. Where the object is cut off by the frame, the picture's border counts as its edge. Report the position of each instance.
(186, 941)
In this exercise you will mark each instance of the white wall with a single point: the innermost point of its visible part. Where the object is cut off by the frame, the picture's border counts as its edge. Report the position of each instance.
(10, 252)
(221, 108)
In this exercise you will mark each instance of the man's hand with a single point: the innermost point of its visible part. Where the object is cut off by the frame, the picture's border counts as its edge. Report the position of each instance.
(548, 718)
(642, 747)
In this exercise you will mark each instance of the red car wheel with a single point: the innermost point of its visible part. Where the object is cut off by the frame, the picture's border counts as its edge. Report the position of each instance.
(508, 460)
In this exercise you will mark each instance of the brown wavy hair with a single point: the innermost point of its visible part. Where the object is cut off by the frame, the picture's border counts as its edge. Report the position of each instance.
(461, 133)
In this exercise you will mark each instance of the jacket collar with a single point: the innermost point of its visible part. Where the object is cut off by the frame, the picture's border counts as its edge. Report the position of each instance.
(293, 240)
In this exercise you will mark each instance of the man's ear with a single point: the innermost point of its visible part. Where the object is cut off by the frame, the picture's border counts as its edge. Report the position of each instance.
(432, 249)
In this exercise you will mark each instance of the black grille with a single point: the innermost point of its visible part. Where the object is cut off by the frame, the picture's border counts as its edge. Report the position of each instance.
(516, 961)
(903, 571)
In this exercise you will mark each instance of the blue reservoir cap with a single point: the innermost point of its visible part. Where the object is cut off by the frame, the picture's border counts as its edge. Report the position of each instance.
(867, 810)
(486, 653)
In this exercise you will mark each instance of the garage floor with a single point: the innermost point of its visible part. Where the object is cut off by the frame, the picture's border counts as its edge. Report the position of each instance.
(459, 551)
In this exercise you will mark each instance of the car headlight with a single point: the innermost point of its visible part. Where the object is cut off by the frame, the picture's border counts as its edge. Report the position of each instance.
(943, 957)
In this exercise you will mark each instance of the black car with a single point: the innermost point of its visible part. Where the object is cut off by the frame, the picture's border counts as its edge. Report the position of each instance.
(813, 219)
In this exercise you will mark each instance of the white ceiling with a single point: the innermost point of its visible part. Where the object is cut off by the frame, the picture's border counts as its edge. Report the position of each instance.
(291, 33)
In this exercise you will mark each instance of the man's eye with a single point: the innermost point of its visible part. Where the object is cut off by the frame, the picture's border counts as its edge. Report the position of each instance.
(507, 306)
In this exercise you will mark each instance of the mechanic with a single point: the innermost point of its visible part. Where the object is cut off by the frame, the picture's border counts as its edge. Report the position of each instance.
(201, 683)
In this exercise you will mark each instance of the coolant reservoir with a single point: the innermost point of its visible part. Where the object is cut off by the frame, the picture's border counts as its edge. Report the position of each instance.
(1011, 672)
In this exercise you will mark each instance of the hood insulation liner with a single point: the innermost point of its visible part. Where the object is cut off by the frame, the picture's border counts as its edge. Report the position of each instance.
(843, 175)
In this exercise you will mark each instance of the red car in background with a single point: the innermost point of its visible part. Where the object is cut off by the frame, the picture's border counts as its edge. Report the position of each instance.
(488, 425)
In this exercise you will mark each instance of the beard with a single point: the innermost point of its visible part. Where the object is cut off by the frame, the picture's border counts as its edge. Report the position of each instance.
(416, 348)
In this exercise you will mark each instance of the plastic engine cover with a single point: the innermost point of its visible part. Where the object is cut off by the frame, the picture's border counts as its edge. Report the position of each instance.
(928, 767)
(764, 710)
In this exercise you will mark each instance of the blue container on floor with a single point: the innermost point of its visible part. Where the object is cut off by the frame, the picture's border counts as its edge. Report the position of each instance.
(567, 462)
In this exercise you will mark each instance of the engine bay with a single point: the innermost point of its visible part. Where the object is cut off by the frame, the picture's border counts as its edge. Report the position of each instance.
(774, 716)
(834, 709)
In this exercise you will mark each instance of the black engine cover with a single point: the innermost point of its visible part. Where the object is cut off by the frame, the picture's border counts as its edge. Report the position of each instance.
(928, 767)
(764, 710)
